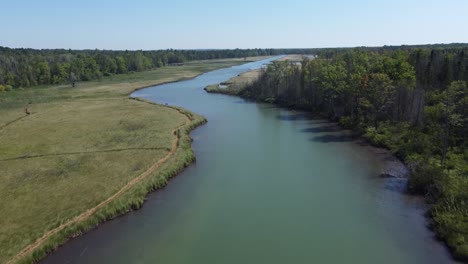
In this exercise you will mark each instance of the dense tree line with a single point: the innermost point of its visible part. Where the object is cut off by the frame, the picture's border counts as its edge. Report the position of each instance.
(412, 100)
(30, 67)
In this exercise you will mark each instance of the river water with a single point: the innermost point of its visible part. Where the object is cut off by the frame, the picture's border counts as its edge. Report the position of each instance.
(269, 186)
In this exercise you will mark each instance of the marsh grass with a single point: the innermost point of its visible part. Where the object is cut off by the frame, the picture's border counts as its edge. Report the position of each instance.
(131, 200)
(236, 84)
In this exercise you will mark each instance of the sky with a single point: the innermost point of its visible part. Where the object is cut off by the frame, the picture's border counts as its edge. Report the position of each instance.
(211, 24)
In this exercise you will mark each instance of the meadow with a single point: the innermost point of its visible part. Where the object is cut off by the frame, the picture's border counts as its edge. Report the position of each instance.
(78, 147)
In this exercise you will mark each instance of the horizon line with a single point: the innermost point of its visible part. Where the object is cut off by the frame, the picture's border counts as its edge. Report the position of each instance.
(266, 48)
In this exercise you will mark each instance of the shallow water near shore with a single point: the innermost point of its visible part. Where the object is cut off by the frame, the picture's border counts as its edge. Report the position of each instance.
(269, 186)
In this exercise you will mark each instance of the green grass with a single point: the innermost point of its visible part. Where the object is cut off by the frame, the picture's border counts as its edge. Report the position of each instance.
(80, 146)
(214, 88)
(133, 199)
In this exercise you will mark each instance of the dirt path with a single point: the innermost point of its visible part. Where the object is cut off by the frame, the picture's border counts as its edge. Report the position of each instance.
(29, 249)
(13, 121)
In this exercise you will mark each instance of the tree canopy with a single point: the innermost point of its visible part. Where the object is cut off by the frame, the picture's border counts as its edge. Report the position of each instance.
(30, 67)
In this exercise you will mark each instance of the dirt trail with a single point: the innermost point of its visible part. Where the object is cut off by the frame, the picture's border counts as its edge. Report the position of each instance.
(30, 248)
(13, 121)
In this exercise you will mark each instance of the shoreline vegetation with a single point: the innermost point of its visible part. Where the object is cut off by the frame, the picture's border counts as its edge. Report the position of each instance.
(390, 100)
(234, 85)
(79, 140)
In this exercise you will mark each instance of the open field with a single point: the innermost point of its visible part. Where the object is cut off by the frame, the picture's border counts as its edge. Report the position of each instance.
(81, 146)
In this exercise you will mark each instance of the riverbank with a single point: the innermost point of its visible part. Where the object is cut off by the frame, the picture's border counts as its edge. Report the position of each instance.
(394, 168)
(444, 223)
(236, 84)
(66, 166)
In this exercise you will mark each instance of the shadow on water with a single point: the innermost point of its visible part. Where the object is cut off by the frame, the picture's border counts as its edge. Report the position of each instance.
(319, 121)
(363, 143)
(294, 117)
(266, 106)
(399, 185)
(243, 101)
(322, 129)
(332, 138)
(387, 158)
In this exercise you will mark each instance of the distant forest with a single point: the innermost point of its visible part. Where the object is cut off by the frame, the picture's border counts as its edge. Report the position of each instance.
(411, 100)
(21, 68)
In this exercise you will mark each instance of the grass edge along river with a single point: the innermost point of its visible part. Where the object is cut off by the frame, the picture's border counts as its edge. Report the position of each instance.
(51, 102)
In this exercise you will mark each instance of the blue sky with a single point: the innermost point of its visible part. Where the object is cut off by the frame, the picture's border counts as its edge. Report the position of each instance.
(183, 24)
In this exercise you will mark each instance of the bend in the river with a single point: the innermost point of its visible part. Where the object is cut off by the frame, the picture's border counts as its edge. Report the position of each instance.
(269, 186)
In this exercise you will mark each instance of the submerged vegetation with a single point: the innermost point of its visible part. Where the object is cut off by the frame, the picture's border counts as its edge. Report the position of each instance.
(413, 101)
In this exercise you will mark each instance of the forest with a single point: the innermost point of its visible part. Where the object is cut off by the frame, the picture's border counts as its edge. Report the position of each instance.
(411, 100)
(21, 68)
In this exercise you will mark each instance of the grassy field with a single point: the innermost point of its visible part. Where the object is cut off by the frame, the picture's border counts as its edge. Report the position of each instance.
(81, 146)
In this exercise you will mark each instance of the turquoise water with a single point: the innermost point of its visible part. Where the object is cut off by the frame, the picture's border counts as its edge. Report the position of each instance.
(269, 186)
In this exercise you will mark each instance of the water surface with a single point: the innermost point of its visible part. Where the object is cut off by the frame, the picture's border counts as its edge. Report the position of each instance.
(269, 186)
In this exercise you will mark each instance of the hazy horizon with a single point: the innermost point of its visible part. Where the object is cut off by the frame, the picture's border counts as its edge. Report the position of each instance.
(201, 49)
(182, 24)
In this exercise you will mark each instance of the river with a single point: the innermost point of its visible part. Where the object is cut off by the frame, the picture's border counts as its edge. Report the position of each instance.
(269, 186)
